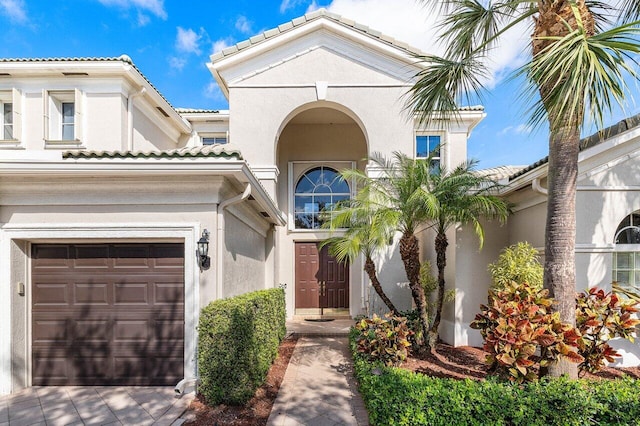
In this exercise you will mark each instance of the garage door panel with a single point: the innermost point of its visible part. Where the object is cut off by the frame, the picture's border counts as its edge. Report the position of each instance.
(51, 293)
(131, 331)
(132, 293)
(169, 293)
(91, 293)
(119, 325)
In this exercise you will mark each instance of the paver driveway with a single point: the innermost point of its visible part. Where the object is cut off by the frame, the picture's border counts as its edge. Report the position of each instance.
(77, 405)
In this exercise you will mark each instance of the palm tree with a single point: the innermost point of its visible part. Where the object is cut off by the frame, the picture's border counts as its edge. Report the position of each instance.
(401, 202)
(461, 196)
(576, 71)
(365, 232)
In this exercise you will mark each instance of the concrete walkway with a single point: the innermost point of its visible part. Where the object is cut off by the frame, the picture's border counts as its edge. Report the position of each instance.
(86, 405)
(318, 388)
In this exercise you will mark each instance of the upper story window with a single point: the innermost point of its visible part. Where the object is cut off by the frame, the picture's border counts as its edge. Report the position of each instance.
(626, 257)
(62, 117)
(428, 146)
(318, 190)
(7, 120)
(214, 140)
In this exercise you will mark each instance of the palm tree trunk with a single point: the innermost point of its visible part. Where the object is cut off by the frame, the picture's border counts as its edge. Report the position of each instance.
(441, 261)
(370, 269)
(410, 254)
(564, 140)
(559, 262)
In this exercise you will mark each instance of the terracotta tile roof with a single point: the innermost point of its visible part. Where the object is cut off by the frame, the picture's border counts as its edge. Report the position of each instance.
(207, 151)
(590, 141)
(320, 13)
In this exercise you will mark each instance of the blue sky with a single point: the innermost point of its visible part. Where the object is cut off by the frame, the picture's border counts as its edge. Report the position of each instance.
(170, 41)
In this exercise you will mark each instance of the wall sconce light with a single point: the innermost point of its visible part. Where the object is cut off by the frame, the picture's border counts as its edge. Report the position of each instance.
(204, 261)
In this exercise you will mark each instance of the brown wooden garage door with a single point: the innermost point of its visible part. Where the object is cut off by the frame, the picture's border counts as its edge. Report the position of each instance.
(107, 314)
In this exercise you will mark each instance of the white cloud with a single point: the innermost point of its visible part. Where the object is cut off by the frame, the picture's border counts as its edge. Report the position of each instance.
(154, 7)
(520, 129)
(221, 44)
(188, 41)
(15, 10)
(410, 22)
(177, 63)
(243, 25)
(289, 4)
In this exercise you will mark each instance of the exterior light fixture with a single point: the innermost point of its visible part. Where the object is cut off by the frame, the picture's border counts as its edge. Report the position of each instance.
(204, 261)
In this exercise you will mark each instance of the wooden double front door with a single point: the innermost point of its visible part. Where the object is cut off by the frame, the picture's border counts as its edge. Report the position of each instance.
(321, 281)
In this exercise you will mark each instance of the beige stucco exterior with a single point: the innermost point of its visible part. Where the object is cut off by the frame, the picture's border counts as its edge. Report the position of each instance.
(316, 92)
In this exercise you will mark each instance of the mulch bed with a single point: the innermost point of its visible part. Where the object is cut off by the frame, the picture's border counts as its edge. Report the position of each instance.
(463, 362)
(466, 362)
(256, 411)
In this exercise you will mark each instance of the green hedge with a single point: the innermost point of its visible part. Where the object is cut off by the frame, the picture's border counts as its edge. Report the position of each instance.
(238, 341)
(399, 397)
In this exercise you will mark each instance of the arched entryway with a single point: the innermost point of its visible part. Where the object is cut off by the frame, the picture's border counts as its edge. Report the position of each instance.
(314, 145)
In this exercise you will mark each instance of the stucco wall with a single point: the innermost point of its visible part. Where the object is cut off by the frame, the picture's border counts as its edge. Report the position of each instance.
(244, 258)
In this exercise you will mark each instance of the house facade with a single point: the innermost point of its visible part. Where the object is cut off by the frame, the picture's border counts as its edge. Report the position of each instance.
(106, 191)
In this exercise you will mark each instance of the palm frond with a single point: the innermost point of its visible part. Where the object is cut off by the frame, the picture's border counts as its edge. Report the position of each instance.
(577, 72)
(629, 10)
(444, 84)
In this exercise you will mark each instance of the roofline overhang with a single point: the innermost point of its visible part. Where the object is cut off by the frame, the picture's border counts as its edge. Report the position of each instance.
(219, 65)
(222, 116)
(119, 67)
(130, 167)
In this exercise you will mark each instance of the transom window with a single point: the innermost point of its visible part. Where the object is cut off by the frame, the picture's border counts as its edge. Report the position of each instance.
(626, 257)
(318, 190)
(429, 146)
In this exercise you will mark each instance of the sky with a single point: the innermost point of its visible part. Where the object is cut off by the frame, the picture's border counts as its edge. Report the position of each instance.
(170, 41)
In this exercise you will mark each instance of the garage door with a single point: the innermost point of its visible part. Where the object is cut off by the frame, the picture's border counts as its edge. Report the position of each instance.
(107, 314)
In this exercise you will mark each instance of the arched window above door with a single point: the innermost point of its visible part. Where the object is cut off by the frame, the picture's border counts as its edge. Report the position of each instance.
(626, 257)
(317, 190)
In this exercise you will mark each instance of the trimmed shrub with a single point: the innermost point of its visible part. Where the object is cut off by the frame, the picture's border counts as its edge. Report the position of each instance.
(397, 397)
(238, 341)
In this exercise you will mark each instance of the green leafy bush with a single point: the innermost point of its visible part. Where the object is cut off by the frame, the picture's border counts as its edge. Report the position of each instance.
(601, 317)
(515, 324)
(238, 341)
(383, 340)
(397, 397)
(518, 263)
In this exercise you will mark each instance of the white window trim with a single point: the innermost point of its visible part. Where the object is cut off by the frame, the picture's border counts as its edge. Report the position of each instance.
(417, 133)
(225, 135)
(52, 117)
(13, 96)
(291, 184)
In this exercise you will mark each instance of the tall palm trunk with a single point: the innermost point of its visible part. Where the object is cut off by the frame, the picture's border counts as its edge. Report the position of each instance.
(441, 261)
(410, 254)
(564, 139)
(370, 269)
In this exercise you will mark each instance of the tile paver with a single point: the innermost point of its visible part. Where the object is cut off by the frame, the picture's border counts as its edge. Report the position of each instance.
(318, 388)
(89, 405)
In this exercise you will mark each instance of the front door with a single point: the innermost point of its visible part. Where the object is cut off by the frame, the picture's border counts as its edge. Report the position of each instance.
(322, 283)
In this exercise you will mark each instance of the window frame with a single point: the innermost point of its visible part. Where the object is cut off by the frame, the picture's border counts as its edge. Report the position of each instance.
(10, 97)
(214, 136)
(55, 121)
(628, 249)
(296, 170)
(428, 134)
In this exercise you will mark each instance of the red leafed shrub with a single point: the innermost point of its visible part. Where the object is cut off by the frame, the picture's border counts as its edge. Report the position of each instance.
(516, 324)
(601, 317)
(383, 340)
